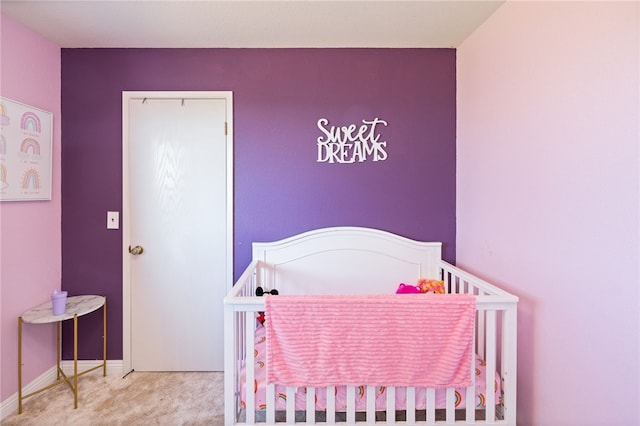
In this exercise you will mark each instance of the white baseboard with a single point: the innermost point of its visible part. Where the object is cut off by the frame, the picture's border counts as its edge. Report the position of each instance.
(10, 405)
(114, 367)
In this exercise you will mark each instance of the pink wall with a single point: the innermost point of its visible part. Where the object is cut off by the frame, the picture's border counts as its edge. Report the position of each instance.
(30, 231)
(548, 198)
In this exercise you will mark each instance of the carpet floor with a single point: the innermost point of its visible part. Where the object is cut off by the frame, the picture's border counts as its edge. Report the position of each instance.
(140, 398)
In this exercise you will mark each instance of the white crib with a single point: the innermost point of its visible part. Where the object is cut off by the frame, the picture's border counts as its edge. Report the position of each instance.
(352, 260)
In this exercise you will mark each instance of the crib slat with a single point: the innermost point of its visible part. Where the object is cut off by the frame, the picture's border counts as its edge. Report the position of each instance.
(471, 391)
(411, 405)
(271, 403)
(331, 405)
(446, 277)
(480, 333)
(311, 405)
(250, 368)
(391, 405)
(508, 363)
(371, 405)
(351, 404)
(431, 406)
(451, 405)
(291, 405)
(491, 366)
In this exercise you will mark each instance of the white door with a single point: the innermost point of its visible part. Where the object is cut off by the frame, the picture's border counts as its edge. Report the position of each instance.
(177, 242)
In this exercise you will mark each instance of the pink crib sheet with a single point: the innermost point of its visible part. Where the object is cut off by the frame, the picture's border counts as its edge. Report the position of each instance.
(361, 399)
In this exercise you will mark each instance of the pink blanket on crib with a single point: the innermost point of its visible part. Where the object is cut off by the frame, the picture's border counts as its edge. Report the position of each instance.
(377, 340)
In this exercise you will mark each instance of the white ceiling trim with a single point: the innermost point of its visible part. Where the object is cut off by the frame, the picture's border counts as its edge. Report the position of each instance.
(262, 23)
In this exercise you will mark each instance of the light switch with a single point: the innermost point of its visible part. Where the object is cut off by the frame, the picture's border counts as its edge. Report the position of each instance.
(113, 220)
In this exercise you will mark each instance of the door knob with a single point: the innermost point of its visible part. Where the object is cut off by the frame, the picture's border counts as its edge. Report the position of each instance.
(136, 250)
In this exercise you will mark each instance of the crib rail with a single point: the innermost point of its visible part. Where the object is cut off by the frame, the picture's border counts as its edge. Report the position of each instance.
(495, 341)
(495, 336)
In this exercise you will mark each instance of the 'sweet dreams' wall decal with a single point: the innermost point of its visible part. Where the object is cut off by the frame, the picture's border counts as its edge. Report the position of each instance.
(354, 143)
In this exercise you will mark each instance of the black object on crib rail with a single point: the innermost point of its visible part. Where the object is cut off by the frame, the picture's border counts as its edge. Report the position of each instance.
(261, 292)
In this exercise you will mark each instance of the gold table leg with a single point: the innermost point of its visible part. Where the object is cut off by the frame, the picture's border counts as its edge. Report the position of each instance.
(58, 350)
(75, 361)
(19, 365)
(104, 338)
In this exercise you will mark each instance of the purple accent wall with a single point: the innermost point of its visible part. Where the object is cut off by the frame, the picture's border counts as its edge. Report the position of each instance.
(280, 188)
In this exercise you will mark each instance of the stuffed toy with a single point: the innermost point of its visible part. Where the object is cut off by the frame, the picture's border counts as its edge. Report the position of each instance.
(431, 286)
(406, 288)
(261, 292)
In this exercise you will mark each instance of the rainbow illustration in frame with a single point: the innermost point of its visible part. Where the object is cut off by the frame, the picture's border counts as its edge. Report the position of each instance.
(26, 136)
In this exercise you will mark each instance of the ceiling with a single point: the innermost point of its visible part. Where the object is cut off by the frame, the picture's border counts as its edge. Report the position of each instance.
(261, 23)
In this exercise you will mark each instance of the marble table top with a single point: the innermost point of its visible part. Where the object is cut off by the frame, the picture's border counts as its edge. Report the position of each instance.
(76, 305)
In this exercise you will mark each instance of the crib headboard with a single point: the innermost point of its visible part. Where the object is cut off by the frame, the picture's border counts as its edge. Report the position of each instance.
(345, 260)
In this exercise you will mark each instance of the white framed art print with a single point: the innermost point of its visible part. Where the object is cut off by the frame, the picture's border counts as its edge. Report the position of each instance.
(26, 136)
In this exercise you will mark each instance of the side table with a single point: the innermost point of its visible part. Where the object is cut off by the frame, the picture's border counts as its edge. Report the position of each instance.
(77, 306)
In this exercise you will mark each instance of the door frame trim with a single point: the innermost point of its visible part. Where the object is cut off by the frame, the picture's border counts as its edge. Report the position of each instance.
(125, 219)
